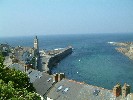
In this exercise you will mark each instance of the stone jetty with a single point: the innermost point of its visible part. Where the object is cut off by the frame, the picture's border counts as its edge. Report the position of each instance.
(51, 58)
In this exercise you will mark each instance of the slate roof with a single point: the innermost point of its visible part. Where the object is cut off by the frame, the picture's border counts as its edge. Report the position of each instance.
(66, 89)
(23, 53)
(72, 90)
(43, 84)
(33, 74)
(4, 45)
(17, 67)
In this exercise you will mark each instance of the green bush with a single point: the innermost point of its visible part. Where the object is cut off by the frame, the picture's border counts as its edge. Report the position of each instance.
(14, 85)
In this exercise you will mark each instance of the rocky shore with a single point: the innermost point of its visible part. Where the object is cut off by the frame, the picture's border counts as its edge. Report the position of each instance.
(125, 48)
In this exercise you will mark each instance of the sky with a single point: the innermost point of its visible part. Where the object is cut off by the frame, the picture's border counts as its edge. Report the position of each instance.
(44, 17)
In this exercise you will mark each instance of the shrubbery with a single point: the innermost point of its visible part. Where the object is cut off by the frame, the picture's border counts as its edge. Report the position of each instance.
(14, 85)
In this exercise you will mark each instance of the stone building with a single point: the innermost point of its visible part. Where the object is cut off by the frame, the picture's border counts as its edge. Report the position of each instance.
(5, 49)
(36, 46)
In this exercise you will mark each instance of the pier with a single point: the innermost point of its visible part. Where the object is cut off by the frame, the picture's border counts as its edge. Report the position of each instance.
(51, 58)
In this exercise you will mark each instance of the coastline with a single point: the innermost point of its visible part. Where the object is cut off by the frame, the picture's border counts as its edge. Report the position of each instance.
(126, 48)
(27, 58)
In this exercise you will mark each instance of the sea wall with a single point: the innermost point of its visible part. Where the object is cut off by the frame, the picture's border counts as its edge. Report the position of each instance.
(55, 59)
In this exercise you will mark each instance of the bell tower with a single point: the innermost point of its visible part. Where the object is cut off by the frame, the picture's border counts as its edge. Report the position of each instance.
(36, 44)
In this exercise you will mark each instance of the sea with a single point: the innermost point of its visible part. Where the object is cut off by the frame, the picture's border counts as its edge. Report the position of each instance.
(93, 61)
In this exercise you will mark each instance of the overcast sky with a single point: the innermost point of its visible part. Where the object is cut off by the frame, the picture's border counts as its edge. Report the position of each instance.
(39, 17)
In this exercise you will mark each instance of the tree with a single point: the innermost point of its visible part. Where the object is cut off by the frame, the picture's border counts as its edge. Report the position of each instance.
(15, 84)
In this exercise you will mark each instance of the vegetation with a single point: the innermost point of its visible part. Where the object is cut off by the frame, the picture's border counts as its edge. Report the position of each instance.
(14, 85)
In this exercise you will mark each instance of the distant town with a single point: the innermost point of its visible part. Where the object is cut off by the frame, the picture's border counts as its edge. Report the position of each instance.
(37, 64)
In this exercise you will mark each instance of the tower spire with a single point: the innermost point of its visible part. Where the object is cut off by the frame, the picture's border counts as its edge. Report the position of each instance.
(36, 44)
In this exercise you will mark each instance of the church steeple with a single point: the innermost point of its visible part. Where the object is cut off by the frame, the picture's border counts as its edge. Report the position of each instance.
(36, 43)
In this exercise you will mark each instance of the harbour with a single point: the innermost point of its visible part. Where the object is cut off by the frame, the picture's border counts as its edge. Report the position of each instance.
(79, 60)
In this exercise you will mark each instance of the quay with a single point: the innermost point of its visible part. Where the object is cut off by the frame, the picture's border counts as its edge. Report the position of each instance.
(52, 58)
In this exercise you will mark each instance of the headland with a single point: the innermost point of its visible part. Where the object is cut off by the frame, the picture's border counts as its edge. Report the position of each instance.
(126, 48)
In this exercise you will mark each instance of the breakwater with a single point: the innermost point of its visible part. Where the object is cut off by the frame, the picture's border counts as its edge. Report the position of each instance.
(53, 57)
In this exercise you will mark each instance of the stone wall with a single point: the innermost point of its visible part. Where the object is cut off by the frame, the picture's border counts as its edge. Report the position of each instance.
(55, 59)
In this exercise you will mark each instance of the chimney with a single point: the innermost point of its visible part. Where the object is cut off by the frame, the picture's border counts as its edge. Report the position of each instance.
(61, 76)
(125, 90)
(25, 68)
(55, 77)
(117, 90)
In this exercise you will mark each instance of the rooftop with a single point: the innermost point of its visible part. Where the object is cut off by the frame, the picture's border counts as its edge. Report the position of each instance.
(17, 67)
(43, 84)
(72, 90)
(33, 75)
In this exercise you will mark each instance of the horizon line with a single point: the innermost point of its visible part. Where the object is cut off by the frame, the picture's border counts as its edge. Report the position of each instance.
(11, 36)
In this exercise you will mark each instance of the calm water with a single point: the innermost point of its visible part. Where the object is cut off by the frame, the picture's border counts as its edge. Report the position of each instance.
(93, 61)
